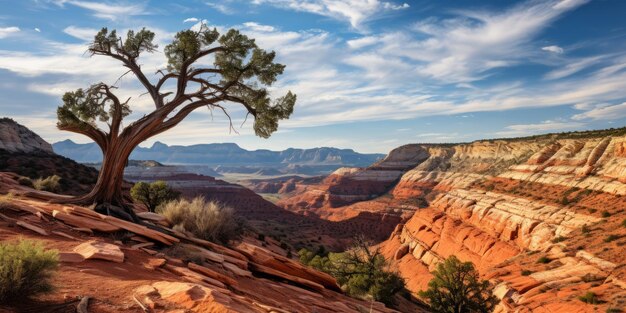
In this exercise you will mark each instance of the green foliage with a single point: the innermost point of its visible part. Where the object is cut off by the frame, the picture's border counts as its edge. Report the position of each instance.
(544, 260)
(153, 194)
(456, 288)
(51, 183)
(82, 108)
(592, 210)
(359, 271)
(589, 297)
(606, 214)
(558, 239)
(211, 221)
(610, 238)
(526, 272)
(25, 269)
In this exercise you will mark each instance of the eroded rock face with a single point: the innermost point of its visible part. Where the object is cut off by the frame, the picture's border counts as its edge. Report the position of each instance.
(17, 138)
(100, 251)
(490, 202)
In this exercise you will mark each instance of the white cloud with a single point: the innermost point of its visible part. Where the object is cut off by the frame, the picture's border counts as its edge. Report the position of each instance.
(220, 7)
(37, 30)
(85, 34)
(109, 11)
(7, 31)
(611, 112)
(356, 12)
(258, 27)
(573, 67)
(553, 49)
(191, 20)
(539, 128)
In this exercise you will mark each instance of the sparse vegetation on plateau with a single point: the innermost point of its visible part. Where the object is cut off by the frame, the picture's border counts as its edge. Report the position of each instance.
(544, 260)
(611, 237)
(207, 220)
(153, 194)
(526, 272)
(456, 287)
(360, 271)
(589, 297)
(606, 214)
(25, 269)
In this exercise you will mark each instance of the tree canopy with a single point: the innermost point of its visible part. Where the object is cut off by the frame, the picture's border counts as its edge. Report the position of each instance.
(456, 288)
(240, 74)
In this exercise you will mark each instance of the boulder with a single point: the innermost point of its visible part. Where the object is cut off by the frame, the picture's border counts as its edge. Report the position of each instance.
(101, 251)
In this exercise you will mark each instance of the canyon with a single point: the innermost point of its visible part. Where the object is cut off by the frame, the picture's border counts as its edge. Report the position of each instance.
(541, 217)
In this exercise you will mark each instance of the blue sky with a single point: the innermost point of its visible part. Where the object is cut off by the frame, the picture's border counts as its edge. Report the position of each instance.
(370, 75)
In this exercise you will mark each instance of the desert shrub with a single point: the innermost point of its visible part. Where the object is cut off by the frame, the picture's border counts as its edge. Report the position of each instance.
(526, 272)
(25, 181)
(359, 271)
(543, 260)
(610, 238)
(558, 239)
(50, 183)
(614, 310)
(589, 297)
(6, 201)
(624, 223)
(153, 194)
(591, 210)
(456, 287)
(606, 214)
(207, 220)
(25, 269)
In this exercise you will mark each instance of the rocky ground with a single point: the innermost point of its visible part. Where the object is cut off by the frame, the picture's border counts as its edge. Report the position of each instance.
(116, 266)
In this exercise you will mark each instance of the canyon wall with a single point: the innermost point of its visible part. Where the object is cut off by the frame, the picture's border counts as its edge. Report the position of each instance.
(542, 217)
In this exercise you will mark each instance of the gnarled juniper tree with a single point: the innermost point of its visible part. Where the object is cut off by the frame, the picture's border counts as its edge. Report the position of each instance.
(240, 73)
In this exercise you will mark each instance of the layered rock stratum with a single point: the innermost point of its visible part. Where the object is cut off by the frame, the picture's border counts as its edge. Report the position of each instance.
(541, 217)
(17, 138)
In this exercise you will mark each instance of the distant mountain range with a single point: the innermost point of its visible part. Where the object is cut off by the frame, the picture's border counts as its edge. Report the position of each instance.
(224, 154)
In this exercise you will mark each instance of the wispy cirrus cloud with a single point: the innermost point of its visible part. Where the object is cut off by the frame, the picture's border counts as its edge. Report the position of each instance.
(553, 49)
(539, 128)
(355, 12)
(8, 31)
(107, 10)
(603, 112)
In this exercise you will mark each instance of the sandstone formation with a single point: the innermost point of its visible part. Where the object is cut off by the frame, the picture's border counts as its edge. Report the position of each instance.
(17, 138)
(144, 276)
(502, 204)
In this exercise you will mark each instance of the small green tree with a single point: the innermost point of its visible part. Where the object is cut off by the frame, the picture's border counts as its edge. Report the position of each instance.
(359, 271)
(153, 194)
(456, 288)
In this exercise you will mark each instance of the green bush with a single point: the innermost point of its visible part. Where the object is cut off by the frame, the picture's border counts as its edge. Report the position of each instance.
(558, 239)
(25, 269)
(585, 229)
(359, 271)
(610, 238)
(526, 272)
(153, 194)
(606, 214)
(589, 297)
(211, 221)
(50, 183)
(543, 260)
(591, 210)
(456, 287)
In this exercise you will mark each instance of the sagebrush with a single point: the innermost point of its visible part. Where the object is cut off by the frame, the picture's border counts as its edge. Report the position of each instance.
(208, 220)
(50, 183)
(26, 268)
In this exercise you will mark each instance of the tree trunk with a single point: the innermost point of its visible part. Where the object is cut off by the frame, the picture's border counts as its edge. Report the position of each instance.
(107, 193)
